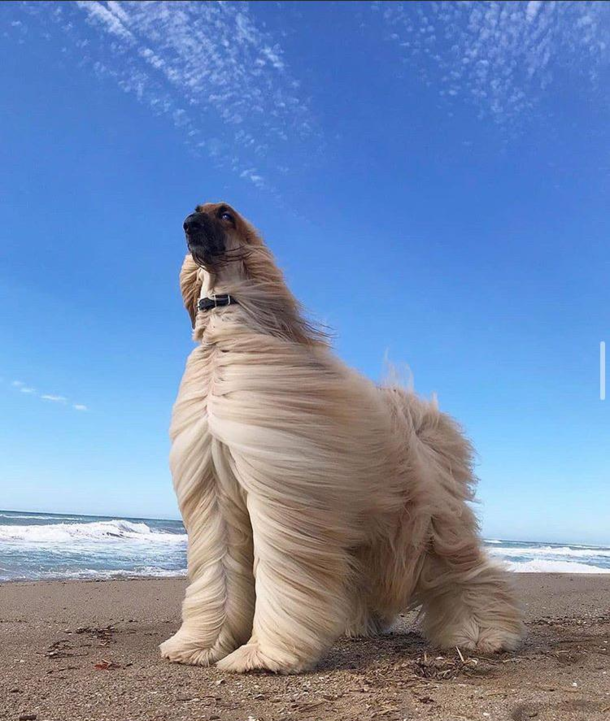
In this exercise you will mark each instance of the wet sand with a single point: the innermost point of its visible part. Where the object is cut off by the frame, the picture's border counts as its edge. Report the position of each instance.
(88, 651)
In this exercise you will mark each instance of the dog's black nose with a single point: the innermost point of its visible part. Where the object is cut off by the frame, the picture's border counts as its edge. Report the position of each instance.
(193, 224)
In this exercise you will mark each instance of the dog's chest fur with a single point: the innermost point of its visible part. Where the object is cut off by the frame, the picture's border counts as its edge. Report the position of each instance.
(199, 460)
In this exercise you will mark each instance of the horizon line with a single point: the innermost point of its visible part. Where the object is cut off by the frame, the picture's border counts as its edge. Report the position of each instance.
(179, 520)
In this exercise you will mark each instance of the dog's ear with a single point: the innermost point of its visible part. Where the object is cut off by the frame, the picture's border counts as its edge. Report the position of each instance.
(190, 286)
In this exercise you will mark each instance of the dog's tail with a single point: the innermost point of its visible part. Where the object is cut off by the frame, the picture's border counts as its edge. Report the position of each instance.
(442, 457)
(433, 484)
(466, 597)
(436, 443)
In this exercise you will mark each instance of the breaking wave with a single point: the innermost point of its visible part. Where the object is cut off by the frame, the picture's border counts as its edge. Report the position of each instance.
(115, 529)
(563, 551)
(37, 546)
(555, 567)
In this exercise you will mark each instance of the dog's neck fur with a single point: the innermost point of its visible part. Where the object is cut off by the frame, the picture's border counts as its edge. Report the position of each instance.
(265, 305)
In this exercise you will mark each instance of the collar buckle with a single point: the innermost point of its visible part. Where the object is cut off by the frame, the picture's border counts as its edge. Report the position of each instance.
(216, 301)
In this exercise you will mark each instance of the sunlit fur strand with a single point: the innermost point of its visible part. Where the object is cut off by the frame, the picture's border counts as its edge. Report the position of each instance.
(316, 502)
(268, 304)
(221, 566)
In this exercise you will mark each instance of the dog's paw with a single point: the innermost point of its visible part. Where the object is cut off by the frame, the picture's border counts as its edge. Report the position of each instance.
(179, 649)
(494, 640)
(483, 640)
(250, 657)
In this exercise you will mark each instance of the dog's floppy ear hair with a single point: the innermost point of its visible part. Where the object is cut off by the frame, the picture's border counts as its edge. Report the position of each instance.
(190, 286)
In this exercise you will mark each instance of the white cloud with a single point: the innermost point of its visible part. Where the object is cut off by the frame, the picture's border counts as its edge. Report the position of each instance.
(532, 9)
(51, 397)
(54, 399)
(197, 63)
(501, 57)
(109, 18)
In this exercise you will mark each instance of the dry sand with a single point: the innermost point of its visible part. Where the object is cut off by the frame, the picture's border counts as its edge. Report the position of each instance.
(88, 650)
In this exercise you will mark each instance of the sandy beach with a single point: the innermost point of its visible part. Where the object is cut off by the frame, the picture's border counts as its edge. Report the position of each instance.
(88, 650)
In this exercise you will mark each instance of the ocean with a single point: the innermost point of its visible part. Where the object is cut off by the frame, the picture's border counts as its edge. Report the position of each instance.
(38, 546)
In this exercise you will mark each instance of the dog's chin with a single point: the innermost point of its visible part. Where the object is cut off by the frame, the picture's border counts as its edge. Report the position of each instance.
(204, 256)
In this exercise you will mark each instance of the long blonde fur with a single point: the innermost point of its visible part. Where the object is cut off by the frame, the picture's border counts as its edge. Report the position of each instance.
(316, 503)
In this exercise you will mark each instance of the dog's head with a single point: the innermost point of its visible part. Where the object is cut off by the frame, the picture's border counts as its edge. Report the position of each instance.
(220, 242)
(216, 235)
(227, 255)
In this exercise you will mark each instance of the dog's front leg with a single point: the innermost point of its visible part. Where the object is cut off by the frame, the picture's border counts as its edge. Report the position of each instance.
(219, 604)
(301, 577)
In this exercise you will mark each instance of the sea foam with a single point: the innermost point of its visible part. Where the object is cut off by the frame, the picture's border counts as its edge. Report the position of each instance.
(540, 566)
(40, 546)
(563, 551)
(115, 529)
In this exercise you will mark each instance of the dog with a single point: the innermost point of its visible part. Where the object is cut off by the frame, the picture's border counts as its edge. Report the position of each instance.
(316, 502)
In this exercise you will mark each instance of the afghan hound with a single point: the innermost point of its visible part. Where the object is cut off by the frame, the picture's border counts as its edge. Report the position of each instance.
(316, 502)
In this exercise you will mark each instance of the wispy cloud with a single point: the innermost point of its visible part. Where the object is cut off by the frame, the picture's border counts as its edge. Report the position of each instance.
(22, 387)
(54, 399)
(500, 57)
(197, 63)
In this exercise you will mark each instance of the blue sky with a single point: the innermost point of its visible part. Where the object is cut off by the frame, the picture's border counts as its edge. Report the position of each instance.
(433, 178)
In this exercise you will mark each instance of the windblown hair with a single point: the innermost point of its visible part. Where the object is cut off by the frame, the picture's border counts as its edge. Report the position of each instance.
(263, 296)
(316, 503)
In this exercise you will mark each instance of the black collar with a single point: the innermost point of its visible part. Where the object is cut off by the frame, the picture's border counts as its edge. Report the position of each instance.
(216, 302)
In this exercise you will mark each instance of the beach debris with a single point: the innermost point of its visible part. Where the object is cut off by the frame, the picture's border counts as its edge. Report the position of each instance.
(62, 649)
(103, 635)
(442, 668)
(28, 717)
(63, 668)
(105, 665)
(59, 649)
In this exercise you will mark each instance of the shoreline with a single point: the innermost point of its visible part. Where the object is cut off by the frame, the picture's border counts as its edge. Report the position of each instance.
(86, 650)
(182, 576)
(111, 579)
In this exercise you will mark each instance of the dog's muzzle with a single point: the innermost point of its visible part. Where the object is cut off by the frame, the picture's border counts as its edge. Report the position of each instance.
(204, 238)
(193, 224)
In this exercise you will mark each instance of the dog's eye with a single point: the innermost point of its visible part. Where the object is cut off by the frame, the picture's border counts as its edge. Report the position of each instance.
(226, 216)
